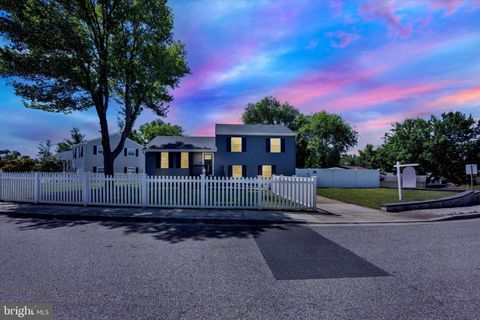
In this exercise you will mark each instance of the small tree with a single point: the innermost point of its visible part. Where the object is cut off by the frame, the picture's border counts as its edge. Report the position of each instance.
(150, 130)
(47, 162)
(76, 137)
(65, 56)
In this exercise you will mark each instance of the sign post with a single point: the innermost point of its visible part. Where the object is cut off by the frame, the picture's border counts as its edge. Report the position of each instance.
(399, 176)
(471, 169)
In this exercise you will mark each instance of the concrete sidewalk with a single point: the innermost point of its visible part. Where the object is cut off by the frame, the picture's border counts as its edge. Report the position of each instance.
(331, 213)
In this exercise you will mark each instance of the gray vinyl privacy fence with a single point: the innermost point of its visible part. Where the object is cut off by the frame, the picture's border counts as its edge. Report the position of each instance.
(139, 190)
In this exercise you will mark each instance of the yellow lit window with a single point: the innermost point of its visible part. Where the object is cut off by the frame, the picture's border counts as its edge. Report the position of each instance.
(184, 162)
(237, 171)
(267, 171)
(164, 160)
(275, 145)
(236, 144)
(207, 156)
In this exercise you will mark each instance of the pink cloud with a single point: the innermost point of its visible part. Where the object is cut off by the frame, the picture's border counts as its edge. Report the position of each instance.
(381, 95)
(385, 10)
(450, 101)
(343, 38)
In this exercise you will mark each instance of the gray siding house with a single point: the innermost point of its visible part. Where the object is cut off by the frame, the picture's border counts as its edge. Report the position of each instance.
(235, 151)
(88, 156)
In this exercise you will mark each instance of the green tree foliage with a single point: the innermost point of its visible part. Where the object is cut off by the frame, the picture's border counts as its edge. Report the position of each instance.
(323, 137)
(64, 56)
(150, 130)
(441, 145)
(76, 137)
(270, 111)
(13, 161)
(46, 161)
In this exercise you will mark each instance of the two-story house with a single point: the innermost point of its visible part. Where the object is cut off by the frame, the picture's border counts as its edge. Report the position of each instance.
(235, 151)
(88, 157)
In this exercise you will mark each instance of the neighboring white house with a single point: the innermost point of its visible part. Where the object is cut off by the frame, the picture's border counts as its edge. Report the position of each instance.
(88, 157)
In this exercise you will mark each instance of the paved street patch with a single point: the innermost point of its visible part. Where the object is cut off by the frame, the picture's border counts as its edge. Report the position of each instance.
(300, 253)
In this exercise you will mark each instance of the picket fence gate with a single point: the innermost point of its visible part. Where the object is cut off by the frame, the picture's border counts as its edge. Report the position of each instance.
(139, 190)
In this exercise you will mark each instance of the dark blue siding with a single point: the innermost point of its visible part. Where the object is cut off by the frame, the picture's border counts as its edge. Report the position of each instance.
(255, 155)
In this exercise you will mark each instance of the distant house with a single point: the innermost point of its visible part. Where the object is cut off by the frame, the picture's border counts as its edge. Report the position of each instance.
(88, 157)
(235, 151)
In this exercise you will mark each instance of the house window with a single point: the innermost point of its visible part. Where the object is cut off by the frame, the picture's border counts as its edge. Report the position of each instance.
(236, 144)
(237, 171)
(266, 171)
(207, 156)
(164, 160)
(275, 145)
(130, 152)
(100, 170)
(99, 149)
(131, 170)
(184, 160)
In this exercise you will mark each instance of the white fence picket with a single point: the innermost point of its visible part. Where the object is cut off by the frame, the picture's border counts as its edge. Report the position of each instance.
(279, 192)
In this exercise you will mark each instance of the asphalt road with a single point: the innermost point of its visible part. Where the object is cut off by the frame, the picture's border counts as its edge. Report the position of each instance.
(112, 270)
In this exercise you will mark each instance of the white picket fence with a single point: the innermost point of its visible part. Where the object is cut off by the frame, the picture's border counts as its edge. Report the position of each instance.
(140, 190)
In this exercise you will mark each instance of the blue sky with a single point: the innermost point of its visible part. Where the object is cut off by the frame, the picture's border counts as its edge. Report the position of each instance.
(373, 62)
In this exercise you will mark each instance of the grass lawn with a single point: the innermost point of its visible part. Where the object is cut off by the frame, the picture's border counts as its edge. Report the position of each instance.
(374, 197)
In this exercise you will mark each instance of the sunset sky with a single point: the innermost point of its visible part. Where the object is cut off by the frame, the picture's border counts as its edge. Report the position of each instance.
(373, 62)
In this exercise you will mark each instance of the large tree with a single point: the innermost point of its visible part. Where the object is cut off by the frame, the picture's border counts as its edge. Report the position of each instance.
(270, 111)
(150, 130)
(76, 137)
(324, 137)
(441, 145)
(66, 56)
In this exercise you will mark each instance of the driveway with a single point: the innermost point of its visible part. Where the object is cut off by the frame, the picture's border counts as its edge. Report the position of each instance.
(121, 270)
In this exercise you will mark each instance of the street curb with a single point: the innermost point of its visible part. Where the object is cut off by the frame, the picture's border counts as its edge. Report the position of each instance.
(143, 219)
(221, 221)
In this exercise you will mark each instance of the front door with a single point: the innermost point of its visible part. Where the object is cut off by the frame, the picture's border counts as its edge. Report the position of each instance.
(207, 162)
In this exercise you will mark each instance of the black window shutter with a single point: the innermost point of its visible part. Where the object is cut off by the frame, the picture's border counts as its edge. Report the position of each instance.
(94, 149)
(259, 170)
(171, 159)
(229, 144)
(136, 152)
(244, 145)
(274, 169)
(136, 169)
(177, 160)
(94, 169)
(282, 141)
(157, 159)
(125, 152)
(244, 171)
(81, 152)
(124, 169)
(229, 171)
(267, 145)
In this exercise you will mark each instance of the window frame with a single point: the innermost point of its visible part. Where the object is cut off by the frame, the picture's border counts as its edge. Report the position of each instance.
(102, 170)
(240, 144)
(235, 175)
(184, 156)
(263, 170)
(164, 158)
(134, 170)
(100, 150)
(133, 154)
(274, 145)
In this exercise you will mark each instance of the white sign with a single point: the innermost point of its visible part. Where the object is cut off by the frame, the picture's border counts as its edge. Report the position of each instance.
(471, 169)
(409, 178)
